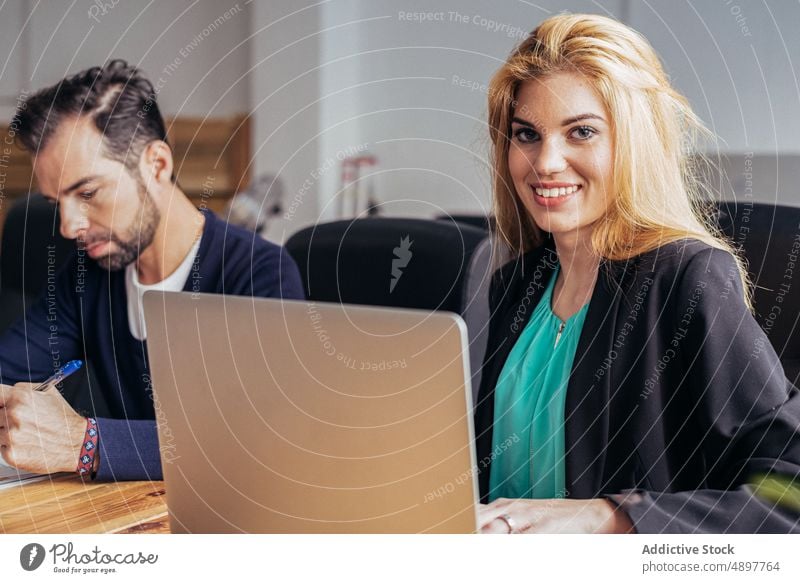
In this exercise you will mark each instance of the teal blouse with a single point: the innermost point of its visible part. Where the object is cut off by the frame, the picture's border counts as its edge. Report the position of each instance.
(529, 398)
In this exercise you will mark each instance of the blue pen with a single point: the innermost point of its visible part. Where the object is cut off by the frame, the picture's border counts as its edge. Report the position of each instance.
(62, 373)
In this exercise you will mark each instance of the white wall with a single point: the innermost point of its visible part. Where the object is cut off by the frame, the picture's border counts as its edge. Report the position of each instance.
(188, 48)
(285, 90)
(737, 61)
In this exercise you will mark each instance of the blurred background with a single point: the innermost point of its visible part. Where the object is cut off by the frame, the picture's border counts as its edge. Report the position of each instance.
(313, 98)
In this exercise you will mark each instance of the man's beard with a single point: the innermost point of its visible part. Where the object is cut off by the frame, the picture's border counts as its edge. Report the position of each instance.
(139, 237)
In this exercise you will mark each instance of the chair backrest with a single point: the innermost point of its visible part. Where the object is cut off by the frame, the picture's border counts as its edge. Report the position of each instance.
(407, 263)
(480, 221)
(404, 263)
(475, 311)
(769, 237)
(32, 247)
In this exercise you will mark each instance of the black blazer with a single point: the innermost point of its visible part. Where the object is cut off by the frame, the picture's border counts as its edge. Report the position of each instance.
(676, 400)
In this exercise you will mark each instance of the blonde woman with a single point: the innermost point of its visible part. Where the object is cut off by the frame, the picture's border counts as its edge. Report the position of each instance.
(626, 387)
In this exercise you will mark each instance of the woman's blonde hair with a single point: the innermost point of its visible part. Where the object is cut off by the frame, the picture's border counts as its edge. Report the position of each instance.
(657, 196)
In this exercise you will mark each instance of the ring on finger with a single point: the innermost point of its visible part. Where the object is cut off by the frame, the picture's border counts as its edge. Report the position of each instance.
(510, 523)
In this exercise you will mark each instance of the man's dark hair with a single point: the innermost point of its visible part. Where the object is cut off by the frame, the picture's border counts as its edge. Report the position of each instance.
(118, 99)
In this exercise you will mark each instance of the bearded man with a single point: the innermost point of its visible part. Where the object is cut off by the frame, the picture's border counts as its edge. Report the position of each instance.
(99, 149)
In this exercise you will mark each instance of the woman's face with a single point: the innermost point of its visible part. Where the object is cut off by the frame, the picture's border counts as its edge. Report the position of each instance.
(561, 154)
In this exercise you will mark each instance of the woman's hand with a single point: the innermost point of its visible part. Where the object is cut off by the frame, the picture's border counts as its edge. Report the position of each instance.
(552, 516)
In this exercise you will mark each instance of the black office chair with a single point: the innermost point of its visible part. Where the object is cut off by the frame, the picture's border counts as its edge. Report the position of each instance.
(480, 221)
(404, 263)
(32, 249)
(767, 234)
(31, 254)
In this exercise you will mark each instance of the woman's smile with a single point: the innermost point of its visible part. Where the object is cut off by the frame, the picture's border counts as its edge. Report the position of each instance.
(555, 194)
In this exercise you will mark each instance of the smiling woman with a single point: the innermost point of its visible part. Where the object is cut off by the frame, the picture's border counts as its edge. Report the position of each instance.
(620, 360)
(647, 126)
(560, 162)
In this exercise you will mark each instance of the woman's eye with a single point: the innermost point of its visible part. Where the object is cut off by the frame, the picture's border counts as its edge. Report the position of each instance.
(583, 132)
(525, 135)
(87, 194)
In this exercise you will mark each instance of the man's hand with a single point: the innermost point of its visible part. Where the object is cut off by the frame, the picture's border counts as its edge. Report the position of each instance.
(553, 516)
(39, 431)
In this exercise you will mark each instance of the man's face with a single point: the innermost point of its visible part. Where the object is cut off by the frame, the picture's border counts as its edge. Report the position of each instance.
(103, 206)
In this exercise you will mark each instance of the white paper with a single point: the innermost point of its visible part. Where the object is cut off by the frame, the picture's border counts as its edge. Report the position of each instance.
(10, 477)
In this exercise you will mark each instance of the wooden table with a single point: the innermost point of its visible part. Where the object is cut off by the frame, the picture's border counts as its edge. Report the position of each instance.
(66, 504)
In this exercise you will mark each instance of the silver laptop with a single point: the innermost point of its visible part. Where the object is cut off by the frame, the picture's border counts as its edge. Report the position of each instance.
(293, 417)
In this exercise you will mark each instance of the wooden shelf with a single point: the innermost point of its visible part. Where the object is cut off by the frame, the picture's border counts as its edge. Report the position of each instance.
(211, 160)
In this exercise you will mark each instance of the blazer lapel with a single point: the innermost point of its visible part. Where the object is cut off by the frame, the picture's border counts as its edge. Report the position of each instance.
(587, 401)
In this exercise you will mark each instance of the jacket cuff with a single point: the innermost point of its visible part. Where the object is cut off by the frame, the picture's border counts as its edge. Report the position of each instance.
(128, 450)
(646, 516)
(617, 501)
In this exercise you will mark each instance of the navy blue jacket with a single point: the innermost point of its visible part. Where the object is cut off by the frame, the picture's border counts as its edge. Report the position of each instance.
(676, 404)
(83, 314)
